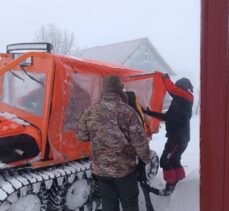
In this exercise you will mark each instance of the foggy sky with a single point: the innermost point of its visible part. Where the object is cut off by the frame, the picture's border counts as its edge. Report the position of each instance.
(173, 26)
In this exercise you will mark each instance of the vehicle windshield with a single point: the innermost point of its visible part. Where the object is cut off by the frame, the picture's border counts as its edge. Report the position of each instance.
(24, 90)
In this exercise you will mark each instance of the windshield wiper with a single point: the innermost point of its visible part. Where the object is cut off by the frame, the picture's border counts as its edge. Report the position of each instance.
(30, 76)
(14, 74)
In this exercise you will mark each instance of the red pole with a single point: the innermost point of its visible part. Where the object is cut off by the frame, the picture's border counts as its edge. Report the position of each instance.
(214, 130)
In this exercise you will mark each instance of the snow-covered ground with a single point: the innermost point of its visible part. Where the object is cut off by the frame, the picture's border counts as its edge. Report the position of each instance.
(186, 194)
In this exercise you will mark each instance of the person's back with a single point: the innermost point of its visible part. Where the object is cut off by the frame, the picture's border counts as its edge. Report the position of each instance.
(117, 137)
(108, 123)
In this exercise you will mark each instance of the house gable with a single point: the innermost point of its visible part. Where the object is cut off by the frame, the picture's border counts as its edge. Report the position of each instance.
(138, 54)
(147, 58)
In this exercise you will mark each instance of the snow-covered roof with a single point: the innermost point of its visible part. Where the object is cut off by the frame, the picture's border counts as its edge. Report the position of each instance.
(118, 53)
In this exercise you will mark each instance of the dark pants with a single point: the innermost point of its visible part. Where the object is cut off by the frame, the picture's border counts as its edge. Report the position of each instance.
(171, 155)
(124, 189)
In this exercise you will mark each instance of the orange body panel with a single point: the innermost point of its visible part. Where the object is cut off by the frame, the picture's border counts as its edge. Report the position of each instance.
(5, 59)
(71, 85)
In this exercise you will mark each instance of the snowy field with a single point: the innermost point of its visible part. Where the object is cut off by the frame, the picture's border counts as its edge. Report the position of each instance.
(186, 194)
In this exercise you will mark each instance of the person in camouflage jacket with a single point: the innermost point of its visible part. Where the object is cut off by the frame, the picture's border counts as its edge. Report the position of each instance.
(118, 138)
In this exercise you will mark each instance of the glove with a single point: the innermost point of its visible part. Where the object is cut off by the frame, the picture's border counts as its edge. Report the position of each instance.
(165, 75)
(142, 172)
(146, 111)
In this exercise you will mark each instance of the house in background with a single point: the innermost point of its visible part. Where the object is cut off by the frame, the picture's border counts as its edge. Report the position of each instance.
(138, 54)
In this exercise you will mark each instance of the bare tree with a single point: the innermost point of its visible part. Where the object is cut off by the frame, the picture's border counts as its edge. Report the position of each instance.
(62, 40)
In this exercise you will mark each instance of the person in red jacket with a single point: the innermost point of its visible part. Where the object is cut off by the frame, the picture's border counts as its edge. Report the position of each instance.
(177, 123)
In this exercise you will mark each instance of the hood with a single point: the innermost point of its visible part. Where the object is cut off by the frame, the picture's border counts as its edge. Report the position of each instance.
(10, 124)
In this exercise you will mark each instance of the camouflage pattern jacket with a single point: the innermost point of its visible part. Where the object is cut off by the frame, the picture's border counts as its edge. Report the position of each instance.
(117, 136)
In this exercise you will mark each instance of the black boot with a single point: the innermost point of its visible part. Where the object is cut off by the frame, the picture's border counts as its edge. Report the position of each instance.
(169, 188)
(167, 191)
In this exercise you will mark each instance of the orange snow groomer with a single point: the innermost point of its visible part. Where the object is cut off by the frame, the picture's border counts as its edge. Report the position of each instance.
(39, 131)
(68, 86)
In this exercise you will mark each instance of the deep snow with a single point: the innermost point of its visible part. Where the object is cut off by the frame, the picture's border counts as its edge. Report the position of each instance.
(186, 194)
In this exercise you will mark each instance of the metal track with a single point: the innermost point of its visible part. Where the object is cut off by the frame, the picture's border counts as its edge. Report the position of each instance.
(49, 186)
(38, 183)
